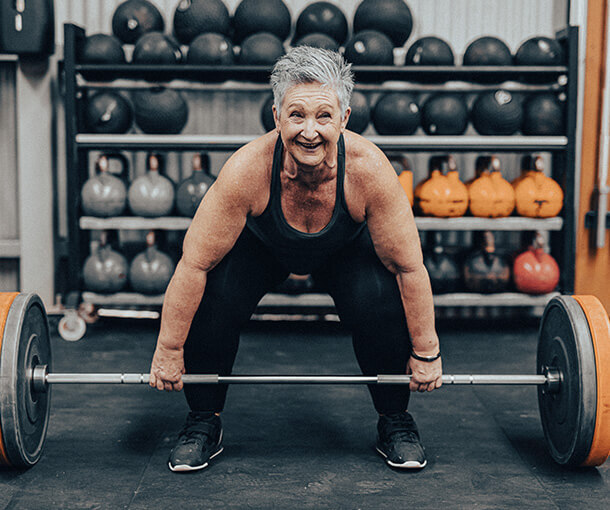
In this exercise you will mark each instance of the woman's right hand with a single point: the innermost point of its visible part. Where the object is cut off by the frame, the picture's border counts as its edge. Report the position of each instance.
(167, 368)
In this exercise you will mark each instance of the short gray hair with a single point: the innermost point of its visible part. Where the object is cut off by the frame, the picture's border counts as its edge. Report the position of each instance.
(306, 64)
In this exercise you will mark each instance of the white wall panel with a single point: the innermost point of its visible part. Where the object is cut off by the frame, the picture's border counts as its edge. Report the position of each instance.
(9, 218)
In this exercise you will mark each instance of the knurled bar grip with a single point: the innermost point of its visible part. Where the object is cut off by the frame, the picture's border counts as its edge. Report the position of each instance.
(116, 378)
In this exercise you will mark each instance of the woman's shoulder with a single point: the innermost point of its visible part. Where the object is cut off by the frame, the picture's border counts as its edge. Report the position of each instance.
(362, 156)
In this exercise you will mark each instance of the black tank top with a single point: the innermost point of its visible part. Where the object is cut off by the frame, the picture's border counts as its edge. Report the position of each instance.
(301, 252)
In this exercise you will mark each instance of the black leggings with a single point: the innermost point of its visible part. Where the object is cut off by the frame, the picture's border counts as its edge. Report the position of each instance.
(366, 296)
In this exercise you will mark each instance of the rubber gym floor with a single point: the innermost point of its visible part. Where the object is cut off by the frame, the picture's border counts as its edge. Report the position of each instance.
(299, 446)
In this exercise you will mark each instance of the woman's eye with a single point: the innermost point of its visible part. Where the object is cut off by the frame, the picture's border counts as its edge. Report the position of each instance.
(295, 114)
(325, 115)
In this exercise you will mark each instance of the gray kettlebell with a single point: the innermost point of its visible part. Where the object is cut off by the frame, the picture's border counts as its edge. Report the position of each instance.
(151, 270)
(103, 194)
(105, 270)
(192, 189)
(151, 194)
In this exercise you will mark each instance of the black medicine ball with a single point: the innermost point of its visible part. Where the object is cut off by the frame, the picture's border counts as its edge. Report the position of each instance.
(194, 17)
(102, 49)
(370, 47)
(252, 16)
(160, 111)
(430, 51)
(322, 18)
(211, 49)
(267, 114)
(316, 40)
(487, 51)
(539, 51)
(133, 18)
(156, 48)
(392, 17)
(396, 113)
(444, 114)
(543, 115)
(108, 112)
(361, 113)
(497, 113)
(263, 48)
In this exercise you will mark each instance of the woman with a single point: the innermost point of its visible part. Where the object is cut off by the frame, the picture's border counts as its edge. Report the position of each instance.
(309, 197)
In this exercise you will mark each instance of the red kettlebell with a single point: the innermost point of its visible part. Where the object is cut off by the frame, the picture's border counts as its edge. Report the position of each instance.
(534, 270)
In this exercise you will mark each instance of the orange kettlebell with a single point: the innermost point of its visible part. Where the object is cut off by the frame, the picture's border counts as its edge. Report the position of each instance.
(442, 194)
(491, 196)
(405, 175)
(537, 196)
(534, 270)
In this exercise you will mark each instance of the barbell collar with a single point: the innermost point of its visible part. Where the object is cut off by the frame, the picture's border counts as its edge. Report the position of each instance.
(41, 378)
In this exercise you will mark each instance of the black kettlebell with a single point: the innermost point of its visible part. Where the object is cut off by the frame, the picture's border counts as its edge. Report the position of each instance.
(498, 113)
(444, 114)
(396, 113)
(484, 270)
(443, 269)
(192, 189)
(105, 270)
(108, 112)
(160, 110)
(133, 18)
(151, 270)
(360, 115)
(194, 17)
(370, 47)
(543, 115)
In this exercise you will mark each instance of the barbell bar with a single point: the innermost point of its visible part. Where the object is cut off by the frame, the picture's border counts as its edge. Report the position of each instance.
(572, 378)
(41, 378)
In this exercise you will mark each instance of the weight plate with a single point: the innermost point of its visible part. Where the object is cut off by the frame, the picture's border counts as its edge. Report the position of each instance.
(568, 416)
(24, 414)
(599, 326)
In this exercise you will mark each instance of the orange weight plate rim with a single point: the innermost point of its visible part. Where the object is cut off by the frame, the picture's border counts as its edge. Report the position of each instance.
(6, 300)
(599, 325)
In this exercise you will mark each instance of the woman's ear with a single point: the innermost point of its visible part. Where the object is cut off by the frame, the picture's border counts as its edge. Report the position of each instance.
(345, 119)
(276, 118)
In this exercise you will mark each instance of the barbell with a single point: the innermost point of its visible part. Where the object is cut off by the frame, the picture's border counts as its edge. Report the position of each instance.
(572, 377)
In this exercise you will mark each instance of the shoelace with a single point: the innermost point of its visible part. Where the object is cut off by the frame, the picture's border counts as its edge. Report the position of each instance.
(401, 426)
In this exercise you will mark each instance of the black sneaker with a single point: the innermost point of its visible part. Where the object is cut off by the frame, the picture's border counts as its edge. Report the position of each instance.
(398, 441)
(199, 441)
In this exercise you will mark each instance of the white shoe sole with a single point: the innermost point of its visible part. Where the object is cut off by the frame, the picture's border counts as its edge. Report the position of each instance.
(410, 464)
(182, 468)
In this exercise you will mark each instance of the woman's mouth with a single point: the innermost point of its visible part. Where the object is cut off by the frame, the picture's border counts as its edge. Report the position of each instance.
(309, 146)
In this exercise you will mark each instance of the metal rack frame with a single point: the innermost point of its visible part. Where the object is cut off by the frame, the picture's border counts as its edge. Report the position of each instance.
(562, 149)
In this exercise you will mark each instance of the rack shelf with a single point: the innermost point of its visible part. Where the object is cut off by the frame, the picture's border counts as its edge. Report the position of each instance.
(10, 248)
(513, 223)
(232, 142)
(362, 73)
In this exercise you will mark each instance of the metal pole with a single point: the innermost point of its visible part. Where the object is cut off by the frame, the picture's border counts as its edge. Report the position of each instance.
(116, 378)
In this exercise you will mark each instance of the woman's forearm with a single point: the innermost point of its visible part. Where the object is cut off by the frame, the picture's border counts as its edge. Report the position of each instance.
(416, 295)
(182, 299)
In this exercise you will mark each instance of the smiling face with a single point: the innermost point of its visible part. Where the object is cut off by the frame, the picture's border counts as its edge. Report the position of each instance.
(310, 123)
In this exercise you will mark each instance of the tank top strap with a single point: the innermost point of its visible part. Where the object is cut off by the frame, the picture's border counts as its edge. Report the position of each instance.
(341, 172)
(278, 152)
